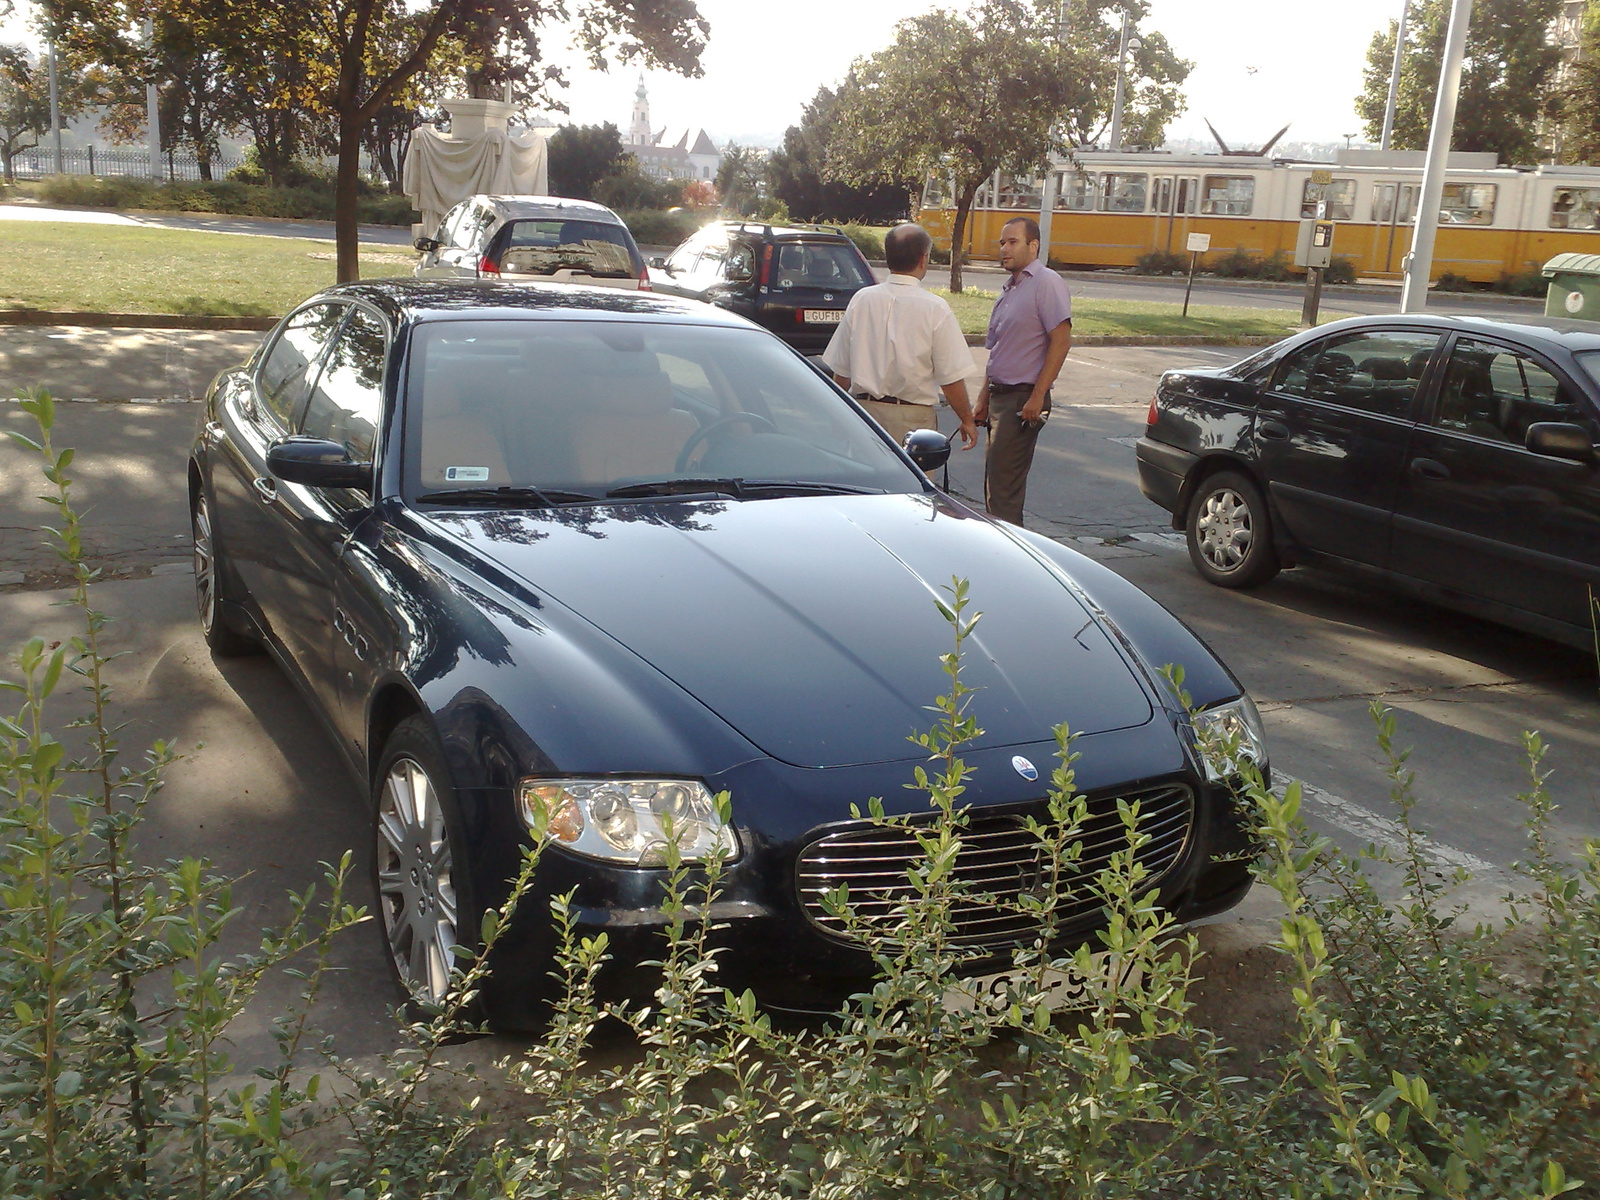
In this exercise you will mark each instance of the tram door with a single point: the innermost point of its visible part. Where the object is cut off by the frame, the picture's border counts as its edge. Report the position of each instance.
(1175, 196)
(1392, 246)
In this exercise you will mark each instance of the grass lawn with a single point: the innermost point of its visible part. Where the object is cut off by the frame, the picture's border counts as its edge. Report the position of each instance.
(1094, 318)
(112, 268)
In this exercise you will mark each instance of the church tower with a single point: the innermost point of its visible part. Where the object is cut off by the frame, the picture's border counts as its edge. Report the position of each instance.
(639, 133)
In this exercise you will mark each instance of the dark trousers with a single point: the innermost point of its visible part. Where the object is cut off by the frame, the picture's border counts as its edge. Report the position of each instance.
(1010, 453)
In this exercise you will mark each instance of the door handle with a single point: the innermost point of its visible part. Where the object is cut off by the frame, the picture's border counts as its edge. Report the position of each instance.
(1274, 430)
(266, 488)
(1427, 468)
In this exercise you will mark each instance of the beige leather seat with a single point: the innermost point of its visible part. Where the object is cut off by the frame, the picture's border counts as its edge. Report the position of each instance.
(460, 433)
(628, 429)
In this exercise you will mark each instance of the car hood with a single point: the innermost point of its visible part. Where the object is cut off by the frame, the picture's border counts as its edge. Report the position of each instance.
(811, 624)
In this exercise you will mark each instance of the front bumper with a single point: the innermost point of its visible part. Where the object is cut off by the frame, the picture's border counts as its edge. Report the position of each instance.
(768, 943)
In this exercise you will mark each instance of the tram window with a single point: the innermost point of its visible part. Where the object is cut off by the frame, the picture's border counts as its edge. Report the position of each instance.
(937, 193)
(1121, 192)
(1468, 204)
(1575, 208)
(1340, 195)
(1228, 195)
(1383, 203)
(1076, 191)
(1023, 195)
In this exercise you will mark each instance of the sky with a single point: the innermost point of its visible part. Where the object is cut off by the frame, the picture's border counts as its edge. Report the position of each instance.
(1259, 64)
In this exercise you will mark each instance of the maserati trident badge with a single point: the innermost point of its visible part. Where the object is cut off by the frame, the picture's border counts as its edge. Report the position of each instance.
(1024, 768)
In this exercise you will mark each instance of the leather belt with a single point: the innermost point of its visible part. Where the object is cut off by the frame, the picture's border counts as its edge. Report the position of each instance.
(893, 400)
(996, 386)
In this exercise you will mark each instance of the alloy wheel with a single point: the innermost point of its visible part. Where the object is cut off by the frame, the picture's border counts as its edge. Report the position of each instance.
(1225, 529)
(416, 890)
(205, 565)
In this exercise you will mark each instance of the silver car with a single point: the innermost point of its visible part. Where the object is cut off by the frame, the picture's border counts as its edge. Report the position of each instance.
(544, 238)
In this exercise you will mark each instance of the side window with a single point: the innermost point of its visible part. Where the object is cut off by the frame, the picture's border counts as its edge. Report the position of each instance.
(348, 399)
(1375, 372)
(283, 380)
(1341, 198)
(740, 266)
(1228, 195)
(473, 219)
(447, 226)
(682, 260)
(712, 258)
(1575, 208)
(1495, 392)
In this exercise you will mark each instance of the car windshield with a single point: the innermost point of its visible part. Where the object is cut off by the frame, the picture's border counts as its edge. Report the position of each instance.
(818, 265)
(545, 247)
(1589, 360)
(569, 411)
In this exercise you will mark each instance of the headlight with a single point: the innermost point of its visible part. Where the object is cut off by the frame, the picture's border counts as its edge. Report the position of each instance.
(1227, 734)
(628, 820)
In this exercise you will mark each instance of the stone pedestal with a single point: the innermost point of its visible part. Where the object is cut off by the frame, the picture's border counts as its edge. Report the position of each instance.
(471, 118)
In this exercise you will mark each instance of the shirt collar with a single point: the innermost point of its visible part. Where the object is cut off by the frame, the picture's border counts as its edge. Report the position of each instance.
(904, 280)
(1032, 270)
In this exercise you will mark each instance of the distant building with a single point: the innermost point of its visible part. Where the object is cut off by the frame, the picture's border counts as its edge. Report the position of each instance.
(685, 152)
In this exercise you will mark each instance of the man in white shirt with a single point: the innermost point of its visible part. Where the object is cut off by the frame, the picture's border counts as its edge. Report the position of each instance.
(898, 346)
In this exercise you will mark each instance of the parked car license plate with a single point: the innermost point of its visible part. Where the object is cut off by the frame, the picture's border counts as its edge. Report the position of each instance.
(822, 316)
(1062, 989)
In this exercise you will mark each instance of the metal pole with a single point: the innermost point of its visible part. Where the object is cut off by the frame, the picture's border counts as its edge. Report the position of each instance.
(1394, 76)
(1313, 299)
(1194, 261)
(55, 108)
(1047, 209)
(1120, 97)
(1419, 263)
(152, 105)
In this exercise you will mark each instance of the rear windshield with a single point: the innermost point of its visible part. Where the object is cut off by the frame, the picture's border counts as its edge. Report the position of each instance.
(818, 265)
(596, 248)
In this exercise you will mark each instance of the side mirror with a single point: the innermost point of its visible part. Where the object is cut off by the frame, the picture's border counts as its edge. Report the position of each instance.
(317, 463)
(426, 245)
(928, 448)
(1558, 439)
(658, 264)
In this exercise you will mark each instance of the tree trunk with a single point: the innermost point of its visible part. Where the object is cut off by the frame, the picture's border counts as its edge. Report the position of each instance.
(346, 197)
(958, 235)
(204, 160)
(10, 171)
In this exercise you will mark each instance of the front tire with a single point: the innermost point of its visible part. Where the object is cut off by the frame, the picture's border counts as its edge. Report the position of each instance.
(1230, 533)
(419, 878)
(211, 589)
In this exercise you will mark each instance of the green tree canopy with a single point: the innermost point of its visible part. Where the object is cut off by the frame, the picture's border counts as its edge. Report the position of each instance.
(1506, 77)
(25, 99)
(582, 155)
(1578, 100)
(800, 177)
(998, 87)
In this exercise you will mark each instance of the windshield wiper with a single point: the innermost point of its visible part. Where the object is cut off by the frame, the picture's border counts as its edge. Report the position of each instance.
(677, 487)
(808, 487)
(511, 496)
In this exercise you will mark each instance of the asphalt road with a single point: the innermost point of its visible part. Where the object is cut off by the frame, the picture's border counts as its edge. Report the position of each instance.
(260, 789)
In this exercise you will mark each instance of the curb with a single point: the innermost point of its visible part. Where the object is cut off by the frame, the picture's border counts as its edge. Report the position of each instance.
(101, 320)
(1155, 339)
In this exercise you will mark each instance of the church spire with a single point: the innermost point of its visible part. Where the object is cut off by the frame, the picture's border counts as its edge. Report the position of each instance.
(639, 132)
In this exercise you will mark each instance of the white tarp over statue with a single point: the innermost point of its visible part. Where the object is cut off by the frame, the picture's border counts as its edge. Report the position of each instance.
(439, 171)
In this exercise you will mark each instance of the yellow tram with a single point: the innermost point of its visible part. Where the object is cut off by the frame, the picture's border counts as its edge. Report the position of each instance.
(1112, 207)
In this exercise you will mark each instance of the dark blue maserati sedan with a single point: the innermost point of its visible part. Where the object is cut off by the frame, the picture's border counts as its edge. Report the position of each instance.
(582, 560)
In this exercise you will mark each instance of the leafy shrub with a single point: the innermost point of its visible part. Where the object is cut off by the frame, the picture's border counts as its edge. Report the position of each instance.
(1275, 269)
(1161, 262)
(652, 227)
(1237, 263)
(1523, 283)
(1417, 1058)
(1451, 282)
(867, 239)
(233, 198)
(1340, 270)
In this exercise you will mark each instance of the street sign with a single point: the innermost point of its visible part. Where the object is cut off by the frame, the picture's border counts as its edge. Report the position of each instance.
(1199, 242)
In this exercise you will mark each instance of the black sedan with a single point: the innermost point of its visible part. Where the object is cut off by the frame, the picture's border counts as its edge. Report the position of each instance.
(1456, 457)
(600, 556)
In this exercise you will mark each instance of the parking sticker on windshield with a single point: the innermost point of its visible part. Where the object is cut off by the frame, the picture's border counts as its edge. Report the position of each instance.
(466, 474)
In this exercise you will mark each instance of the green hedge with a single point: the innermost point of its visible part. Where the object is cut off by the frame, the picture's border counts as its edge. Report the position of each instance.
(234, 199)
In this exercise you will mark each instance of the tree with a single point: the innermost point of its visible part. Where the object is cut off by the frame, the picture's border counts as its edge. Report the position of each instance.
(25, 100)
(966, 94)
(1155, 74)
(799, 173)
(1578, 101)
(1506, 75)
(582, 155)
(742, 179)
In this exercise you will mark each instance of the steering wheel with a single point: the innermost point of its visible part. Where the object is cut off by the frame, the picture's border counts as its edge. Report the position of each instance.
(756, 421)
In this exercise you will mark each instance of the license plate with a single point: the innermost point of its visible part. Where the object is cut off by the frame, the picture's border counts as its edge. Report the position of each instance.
(822, 316)
(1062, 989)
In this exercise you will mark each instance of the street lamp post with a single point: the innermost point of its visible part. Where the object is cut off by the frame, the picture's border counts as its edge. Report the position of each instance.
(1129, 42)
(1419, 263)
(152, 104)
(1394, 76)
(55, 107)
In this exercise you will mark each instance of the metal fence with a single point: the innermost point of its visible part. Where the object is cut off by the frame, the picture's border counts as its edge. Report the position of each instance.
(135, 164)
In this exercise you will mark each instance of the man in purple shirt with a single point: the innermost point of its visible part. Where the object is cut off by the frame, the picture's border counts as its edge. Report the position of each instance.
(1030, 332)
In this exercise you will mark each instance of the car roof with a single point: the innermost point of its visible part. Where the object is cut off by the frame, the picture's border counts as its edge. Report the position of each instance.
(1548, 332)
(809, 233)
(548, 208)
(409, 300)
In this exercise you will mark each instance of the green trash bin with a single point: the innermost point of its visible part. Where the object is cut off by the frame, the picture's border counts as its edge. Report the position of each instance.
(1574, 286)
